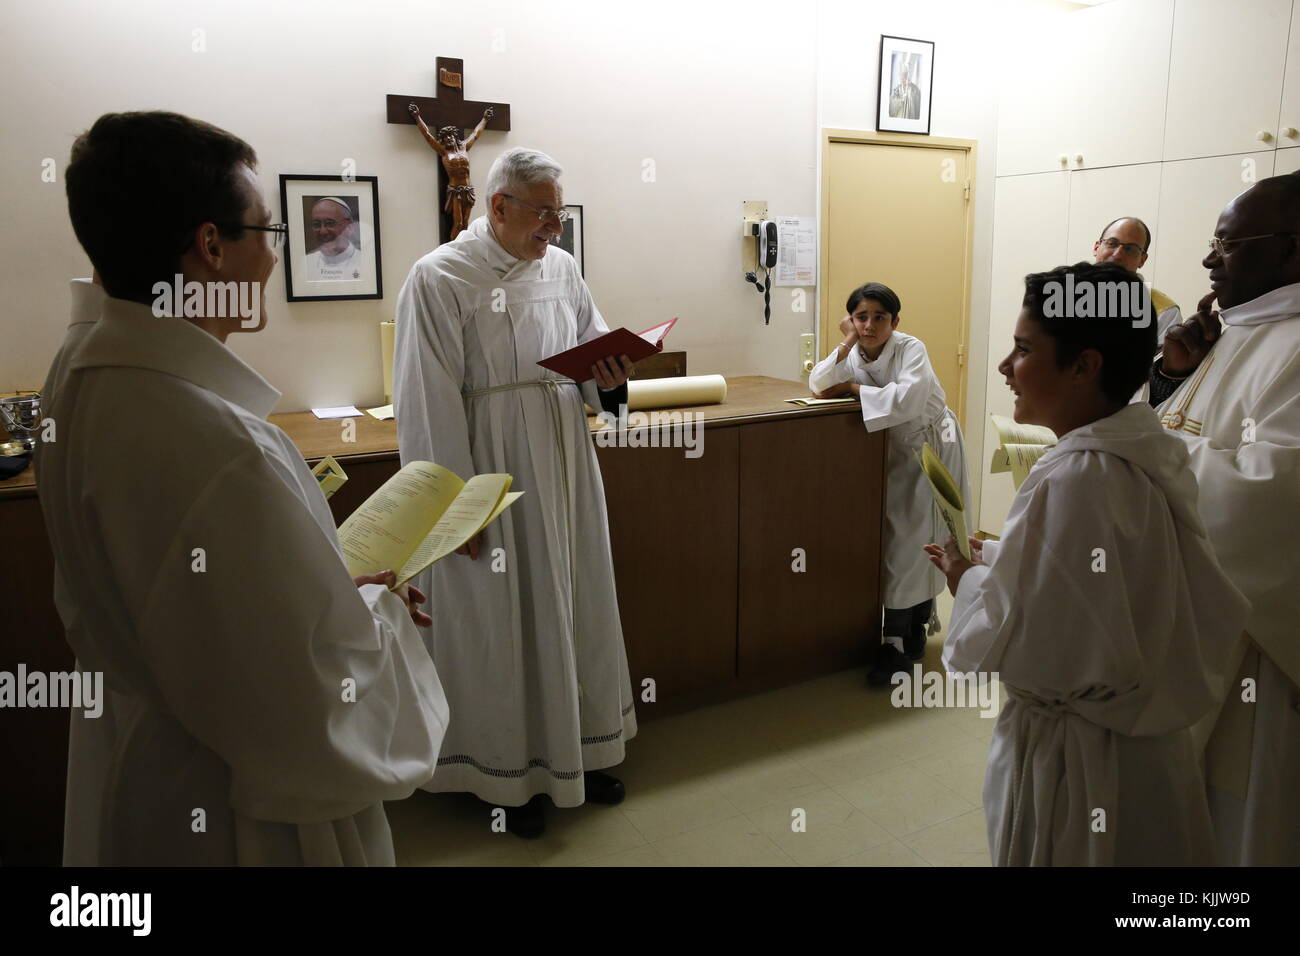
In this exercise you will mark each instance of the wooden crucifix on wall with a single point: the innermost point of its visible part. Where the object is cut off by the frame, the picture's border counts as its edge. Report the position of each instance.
(443, 120)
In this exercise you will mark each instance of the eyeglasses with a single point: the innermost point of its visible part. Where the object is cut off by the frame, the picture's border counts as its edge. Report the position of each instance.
(1220, 245)
(1132, 248)
(543, 212)
(326, 223)
(279, 230)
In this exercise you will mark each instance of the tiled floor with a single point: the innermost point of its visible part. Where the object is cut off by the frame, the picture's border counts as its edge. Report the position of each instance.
(873, 785)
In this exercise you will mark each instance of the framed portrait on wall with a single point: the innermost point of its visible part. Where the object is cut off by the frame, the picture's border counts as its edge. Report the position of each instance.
(906, 87)
(571, 239)
(332, 249)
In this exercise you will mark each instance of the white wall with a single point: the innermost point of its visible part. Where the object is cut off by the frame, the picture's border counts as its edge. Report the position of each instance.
(966, 81)
(600, 86)
(727, 98)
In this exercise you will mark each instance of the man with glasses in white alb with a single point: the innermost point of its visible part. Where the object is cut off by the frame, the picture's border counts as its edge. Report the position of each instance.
(530, 648)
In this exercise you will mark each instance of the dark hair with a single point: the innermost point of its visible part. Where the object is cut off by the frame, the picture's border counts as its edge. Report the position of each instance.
(877, 293)
(1145, 228)
(138, 186)
(1126, 350)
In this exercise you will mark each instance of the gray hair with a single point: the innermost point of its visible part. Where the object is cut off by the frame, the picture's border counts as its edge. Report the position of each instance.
(518, 168)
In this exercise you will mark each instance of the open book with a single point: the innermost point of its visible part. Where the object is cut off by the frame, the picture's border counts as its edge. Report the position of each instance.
(1022, 446)
(947, 496)
(420, 515)
(576, 363)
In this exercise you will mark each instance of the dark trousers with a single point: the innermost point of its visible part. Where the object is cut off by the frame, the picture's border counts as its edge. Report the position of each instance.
(908, 622)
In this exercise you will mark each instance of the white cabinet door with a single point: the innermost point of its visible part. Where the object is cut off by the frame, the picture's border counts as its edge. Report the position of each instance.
(1224, 76)
(1099, 196)
(1192, 194)
(1288, 121)
(1288, 161)
(1032, 118)
(1115, 98)
(1029, 235)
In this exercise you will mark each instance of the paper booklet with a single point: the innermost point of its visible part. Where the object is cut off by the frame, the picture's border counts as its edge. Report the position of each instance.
(576, 363)
(813, 402)
(947, 496)
(420, 515)
(1022, 446)
(330, 475)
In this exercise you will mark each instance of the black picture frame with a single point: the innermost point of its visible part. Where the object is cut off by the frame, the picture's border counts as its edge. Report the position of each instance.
(571, 240)
(903, 112)
(360, 276)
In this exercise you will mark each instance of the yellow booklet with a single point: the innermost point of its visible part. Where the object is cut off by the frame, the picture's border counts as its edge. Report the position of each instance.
(331, 476)
(947, 496)
(420, 515)
(1022, 446)
(814, 402)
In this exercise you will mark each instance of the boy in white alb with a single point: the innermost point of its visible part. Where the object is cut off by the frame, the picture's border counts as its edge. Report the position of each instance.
(1103, 610)
(890, 373)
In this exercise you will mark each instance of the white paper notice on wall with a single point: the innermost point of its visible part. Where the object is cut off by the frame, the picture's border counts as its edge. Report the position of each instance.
(796, 262)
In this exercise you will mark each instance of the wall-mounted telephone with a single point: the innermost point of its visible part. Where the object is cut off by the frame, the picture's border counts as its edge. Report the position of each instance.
(760, 252)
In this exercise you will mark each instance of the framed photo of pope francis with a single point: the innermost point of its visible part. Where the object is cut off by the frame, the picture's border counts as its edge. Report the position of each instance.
(333, 238)
(905, 92)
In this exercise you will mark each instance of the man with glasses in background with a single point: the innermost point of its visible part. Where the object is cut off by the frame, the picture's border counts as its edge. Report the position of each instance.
(529, 644)
(1127, 242)
(197, 565)
(1236, 402)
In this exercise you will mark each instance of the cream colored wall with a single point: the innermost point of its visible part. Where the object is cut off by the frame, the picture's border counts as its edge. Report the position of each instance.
(726, 99)
(601, 86)
(966, 78)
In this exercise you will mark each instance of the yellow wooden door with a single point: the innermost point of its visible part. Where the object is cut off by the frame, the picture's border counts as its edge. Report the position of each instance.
(898, 214)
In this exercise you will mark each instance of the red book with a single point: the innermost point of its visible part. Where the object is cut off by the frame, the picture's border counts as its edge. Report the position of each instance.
(576, 362)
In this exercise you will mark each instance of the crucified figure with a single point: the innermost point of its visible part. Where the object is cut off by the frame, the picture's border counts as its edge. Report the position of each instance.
(454, 153)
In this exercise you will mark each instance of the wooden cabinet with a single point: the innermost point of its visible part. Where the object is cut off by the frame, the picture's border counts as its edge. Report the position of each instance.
(1118, 66)
(1192, 194)
(1288, 120)
(1286, 161)
(1098, 196)
(1032, 120)
(710, 604)
(1225, 75)
(809, 548)
(1086, 89)
(1030, 229)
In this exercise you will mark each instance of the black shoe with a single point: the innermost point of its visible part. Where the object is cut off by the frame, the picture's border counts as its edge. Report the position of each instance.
(915, 645)
(528, 821)
(602, 788)
(888, 662)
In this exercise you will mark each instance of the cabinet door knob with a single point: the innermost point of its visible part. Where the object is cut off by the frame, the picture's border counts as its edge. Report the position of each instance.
(1078, 158)
(1289, 132)
(1064, 160)
(1263, 136)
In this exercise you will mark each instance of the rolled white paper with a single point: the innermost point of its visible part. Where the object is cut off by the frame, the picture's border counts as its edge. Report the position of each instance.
(676, 392)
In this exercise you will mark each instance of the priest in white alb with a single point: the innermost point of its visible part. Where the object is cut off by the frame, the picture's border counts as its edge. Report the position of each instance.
(528, 643)
(1236, 402)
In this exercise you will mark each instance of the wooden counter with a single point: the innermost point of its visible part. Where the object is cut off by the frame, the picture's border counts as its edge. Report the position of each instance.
(705, 556)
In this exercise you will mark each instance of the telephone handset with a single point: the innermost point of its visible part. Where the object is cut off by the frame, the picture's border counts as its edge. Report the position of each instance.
(767, 244)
